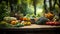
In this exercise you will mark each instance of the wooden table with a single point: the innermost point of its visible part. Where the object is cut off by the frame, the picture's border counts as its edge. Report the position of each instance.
(33, 29)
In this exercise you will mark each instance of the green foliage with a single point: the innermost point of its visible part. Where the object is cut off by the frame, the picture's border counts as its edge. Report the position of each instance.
(33, 16)
(3, 10)
(38, 15)
(28, 15)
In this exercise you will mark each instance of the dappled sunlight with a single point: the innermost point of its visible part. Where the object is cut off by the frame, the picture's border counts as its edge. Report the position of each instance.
(39, 11)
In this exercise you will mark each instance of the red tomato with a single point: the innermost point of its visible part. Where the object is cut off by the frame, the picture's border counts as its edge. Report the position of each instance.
(52, 23)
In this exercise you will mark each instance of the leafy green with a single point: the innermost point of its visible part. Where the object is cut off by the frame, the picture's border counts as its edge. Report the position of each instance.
(18, 25)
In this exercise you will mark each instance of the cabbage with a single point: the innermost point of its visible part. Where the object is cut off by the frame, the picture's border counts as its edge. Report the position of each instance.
(8, 19)
(41, 20)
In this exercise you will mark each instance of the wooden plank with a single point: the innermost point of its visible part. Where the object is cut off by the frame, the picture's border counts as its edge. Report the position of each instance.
(40, 26)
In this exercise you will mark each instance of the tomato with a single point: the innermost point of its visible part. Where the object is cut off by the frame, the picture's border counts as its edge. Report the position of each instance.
(49, 22)
(24, 18)
(52, 23)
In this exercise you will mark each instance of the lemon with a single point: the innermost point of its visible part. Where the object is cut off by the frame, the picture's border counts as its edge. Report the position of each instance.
(29, 23)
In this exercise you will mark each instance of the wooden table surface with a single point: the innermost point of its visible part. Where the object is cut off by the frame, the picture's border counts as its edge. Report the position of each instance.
(40, 26)
(33, 29)
(34, 26)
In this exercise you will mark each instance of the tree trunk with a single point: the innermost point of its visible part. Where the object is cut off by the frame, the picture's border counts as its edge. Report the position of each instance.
(50, 4)
(55, 1)
(23, 7)
(34, 4)
(11, 7)
(59, 9)
(59, 3)
(45, 6)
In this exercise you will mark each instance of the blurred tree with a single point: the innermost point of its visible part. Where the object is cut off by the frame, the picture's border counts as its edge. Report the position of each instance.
(23, 7)
(50, 4)
(45, 6)
(34, 4)
(51, 7)
(59, 8)
(55, 2)
(3, 10)
(13, 6)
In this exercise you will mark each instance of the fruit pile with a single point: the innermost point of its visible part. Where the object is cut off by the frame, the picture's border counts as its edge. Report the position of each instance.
(13, 22)
(27, 21)
(49, 15)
